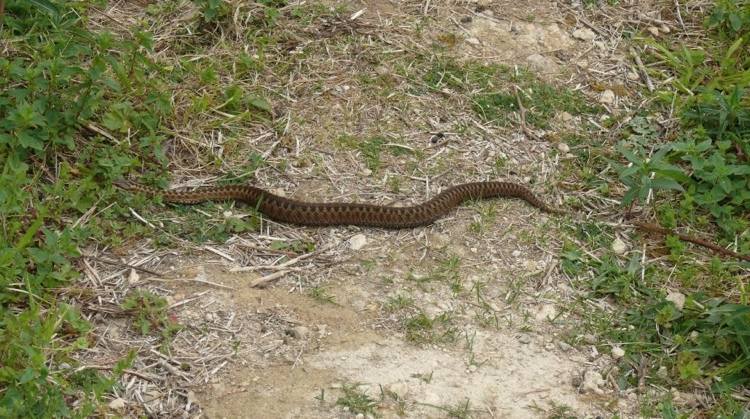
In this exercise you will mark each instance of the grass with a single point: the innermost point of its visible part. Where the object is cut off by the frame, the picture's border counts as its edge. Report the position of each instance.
(423, 329)
(356, 401)
(690, 174)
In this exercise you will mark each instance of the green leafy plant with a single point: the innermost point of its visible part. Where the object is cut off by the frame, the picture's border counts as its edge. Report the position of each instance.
(710, 84)
(645, 173)
(731, 18)
(68, 98)
(150, 313)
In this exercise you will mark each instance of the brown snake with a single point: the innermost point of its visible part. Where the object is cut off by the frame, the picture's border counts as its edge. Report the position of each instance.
(293, 211)
(327, 214)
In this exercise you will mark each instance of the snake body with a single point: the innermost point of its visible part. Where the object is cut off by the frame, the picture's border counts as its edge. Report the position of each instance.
(292, 211)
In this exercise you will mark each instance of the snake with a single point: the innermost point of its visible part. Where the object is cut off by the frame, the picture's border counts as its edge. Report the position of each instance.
(291, 211)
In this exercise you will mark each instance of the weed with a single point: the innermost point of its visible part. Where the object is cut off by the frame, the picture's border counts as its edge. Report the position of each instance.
(295, 246)
(150, 313)
(709, 93)
(321, 295)
(356, 400)
(399, 302)
(370, 149)
(426, 378)
(459, 411)
(422, 329)
(59, 78)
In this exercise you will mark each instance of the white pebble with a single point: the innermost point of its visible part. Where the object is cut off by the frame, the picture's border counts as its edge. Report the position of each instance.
(357, 241)
(607, 97)
(677, 298)
(584, 34)
(619, 246)
(617, 352)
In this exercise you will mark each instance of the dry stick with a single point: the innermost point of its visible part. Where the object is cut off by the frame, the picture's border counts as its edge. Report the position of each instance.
(642, 69)
(522, 115)
(106, 368)
(262, 282)
(653, 228)
(679, 15)
(125, 265)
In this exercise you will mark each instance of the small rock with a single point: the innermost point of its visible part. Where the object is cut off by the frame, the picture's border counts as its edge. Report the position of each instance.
(360, 416)
(473, 41)
(592, 382)
(541, 63)
(382, 70)
(399, 388)
(566, 116)
(686, 399)
(546, 312)
(619, 246)
(607, 97)
(117, 404)
(366, 172)
(653, 30)
(563, 148)
(357, 241)
(584, 34)
(600, 45)
(524, 339)
(617, 352)
(664, 29)
(564, 346)
(299, 332)
(594, 354)
(589, 338)
(133, 277)
(677, 298)
(633, 76)
(662, 372)
(577, 381)
(438, 239)
(516, 253)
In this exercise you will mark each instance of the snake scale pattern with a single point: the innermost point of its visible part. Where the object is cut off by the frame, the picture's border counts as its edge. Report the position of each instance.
(292, 211)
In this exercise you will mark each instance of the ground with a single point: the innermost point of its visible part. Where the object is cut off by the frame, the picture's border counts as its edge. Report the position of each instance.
(464, 318)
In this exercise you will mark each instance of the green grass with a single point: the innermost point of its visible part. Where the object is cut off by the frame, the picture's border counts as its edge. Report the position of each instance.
(372, 148)
(58, 79)
(356, 400)
(79, 110)
(695, 175)
(490, 88)
(423, 329)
